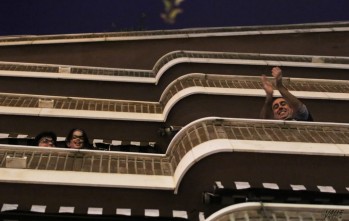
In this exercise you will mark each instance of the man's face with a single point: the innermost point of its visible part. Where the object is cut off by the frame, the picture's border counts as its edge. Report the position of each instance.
(46, 142)
(77, 140)
(281, 109)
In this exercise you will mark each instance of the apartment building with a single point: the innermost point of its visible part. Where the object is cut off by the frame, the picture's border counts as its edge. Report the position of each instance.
(173, 117)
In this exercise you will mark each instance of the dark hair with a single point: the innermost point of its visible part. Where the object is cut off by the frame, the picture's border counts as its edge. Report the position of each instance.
(45, 134)
(69, 137)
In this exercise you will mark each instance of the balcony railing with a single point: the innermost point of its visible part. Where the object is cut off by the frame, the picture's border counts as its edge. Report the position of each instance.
(281, 212)
(187, 139)
(184, 33)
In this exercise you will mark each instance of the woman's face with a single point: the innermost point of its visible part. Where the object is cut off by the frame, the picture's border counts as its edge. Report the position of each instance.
(46, 142)
(77, 140)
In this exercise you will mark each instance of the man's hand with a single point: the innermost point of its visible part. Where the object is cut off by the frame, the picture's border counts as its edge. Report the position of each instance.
(267, 86)
(266, 112)
(277, 74)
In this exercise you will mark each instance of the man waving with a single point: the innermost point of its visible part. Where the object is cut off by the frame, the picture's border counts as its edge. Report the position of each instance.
(287, 107)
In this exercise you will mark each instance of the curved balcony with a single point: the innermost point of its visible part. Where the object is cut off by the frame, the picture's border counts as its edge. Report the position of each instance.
(176, 34)
(148, 85)
(316, 142)
(276, 211)
(134, 51)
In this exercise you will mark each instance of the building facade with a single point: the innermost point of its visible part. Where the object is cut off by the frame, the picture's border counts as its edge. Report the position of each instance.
(173, 119)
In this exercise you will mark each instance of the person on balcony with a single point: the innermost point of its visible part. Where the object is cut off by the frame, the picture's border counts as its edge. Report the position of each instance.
(77, 139)
(287, 107)
(45, 139)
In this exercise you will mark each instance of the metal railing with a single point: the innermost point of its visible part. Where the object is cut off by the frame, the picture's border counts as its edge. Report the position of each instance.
(59, 159)
(168, 33)
(188, 138)
(281, 212)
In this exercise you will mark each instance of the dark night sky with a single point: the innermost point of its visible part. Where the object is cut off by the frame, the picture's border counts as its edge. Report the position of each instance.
(19, 17)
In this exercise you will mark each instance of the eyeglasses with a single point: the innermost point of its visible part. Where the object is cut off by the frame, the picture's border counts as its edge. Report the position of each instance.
(46, 140)
(78, 137)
